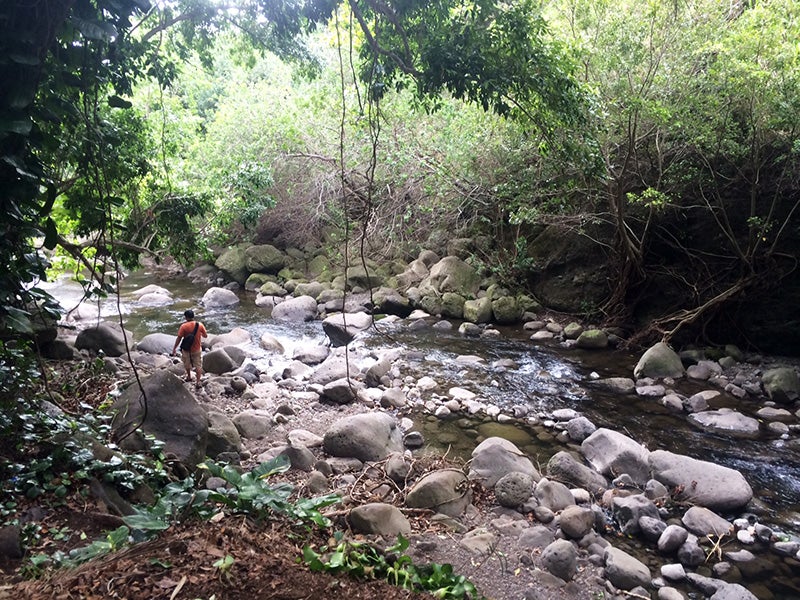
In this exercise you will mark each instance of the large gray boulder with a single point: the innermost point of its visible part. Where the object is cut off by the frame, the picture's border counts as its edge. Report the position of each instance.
(156, 343)
(342, 328)
(564, 467)
(613, 453)
(659, 361)
(561, 559)
(592, 339)
(367, 437)
(702, 522)
(781, 384)
(217, 297)
(625, 571)
(235, 337)
(451, 274)
(297, 310)
(253, 424)
(495, 457)
(552, 494)
(699, 482)
(173, 416)
(264, 258)
(506, 310)
(379, 518)
(446, 491)
(311, 354)
(389, 301)
(233, 262)
(478, 311)
(365, 278)
(726, 421)
(222, 434)
(219, 361)
(332, 368)
(108, 337)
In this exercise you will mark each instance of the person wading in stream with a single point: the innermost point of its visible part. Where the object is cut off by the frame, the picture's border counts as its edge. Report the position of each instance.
(189, 337)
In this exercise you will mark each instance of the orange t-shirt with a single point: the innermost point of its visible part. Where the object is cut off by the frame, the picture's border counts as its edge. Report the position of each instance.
(187, 328)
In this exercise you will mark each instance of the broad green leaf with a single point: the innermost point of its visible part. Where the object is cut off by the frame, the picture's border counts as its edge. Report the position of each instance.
(117, 102)
(20, 126)
(145, 522)
(51, 234)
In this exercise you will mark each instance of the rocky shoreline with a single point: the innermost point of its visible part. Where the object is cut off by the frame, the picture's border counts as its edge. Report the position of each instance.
(345, 418)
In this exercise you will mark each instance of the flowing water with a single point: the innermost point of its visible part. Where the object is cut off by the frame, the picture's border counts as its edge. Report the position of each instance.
(544, 378)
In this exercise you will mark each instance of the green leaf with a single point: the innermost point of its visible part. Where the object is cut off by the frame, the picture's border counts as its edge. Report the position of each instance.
(24, 59)
(18, 320)
(117, 102)
(95, 30)
(145, 522)
(51, 234)
(20, 126)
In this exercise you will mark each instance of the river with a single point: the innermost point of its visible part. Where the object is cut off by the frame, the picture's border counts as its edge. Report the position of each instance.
(545, 378)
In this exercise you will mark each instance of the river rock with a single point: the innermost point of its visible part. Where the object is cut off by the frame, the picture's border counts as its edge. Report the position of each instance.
(332, 368)
(150, 289)
(342, 391)
(725, 420)
(235, 337)
(513, 489)
(659, 361)
(576, 521)
(222, 434)
(506, 310)
(538, 536)
(553, 494)
(156, 299)
(156, 343)
(451, 274)
(495, 457)
(781, 384)
(561, 559)
(699, 482)
(342, 328)
(625, 571)
(611, 452)
(702, 521)
(379, 518)
(580, 428)
(389, 301)
(253, 424)
(573, 330)
(672, 538)
(563, 466)
(233, 263)
(445, 491)
(173, 416)
(733, 591)
(217, 297)
(628, 510)
(770, 413)
(619, 385)
(219, 361)
(478, 311)
(105, 336)
(296, 310)
(592, 339)
(367, 437)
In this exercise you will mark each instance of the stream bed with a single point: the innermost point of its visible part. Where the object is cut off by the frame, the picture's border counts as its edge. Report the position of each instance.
(544, 378)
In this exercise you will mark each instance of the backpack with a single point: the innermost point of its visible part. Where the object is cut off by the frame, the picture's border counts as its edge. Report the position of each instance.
(188, 340)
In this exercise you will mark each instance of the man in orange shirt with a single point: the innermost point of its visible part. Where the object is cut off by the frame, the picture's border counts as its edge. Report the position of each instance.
(189, 337)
